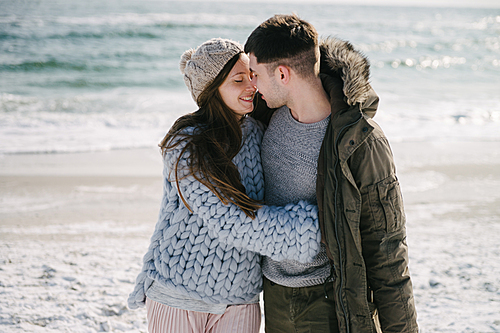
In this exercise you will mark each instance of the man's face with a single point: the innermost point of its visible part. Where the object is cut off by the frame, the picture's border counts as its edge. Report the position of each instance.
(267, 84)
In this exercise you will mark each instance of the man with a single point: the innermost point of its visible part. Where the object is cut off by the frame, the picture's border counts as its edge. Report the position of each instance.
(321, 144)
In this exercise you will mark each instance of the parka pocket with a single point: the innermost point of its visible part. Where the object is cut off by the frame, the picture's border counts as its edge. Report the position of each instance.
(386, 205)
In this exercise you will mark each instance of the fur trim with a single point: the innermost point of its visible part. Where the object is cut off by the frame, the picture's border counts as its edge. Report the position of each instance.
(353, 68)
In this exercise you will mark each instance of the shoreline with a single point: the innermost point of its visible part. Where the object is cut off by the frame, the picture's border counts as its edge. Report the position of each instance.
(71, 189)
(125, 185)
(123, 162)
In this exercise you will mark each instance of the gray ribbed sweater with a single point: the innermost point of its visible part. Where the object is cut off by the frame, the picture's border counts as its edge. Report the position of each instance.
(290, 151)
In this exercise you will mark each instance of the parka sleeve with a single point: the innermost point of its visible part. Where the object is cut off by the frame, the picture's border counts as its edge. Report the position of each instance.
(383, 235)
(290, 232)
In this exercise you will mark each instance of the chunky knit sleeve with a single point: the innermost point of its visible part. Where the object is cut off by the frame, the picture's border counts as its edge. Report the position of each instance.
(290, 232)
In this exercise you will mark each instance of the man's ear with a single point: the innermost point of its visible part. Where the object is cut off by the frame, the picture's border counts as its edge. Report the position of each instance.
(284, 73)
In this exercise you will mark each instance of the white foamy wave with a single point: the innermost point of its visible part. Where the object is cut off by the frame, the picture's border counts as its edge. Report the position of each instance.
(421, 63)
(123, 119)
(77, 229)
(48, 133)
(91, 122)
(485, 23)
(439, 25)
(387, 46)
(107, 189)
(135, 19)
(13, 204)
(418, 119)
(161, 19)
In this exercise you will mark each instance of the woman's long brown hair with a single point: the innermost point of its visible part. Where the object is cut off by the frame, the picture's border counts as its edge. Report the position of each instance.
(213, 144)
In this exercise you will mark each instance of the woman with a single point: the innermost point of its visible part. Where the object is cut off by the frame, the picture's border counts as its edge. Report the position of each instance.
(202, 270)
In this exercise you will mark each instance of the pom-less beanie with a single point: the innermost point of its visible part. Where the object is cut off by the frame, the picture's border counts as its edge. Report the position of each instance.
(201, 66)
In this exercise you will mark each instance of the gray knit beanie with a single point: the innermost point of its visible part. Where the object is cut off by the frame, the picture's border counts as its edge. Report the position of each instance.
(201, 66)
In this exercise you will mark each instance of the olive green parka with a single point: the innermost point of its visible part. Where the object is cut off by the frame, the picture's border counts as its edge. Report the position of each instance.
(360, 204)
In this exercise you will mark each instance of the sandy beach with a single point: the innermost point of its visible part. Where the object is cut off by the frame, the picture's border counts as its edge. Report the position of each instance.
(74, 228)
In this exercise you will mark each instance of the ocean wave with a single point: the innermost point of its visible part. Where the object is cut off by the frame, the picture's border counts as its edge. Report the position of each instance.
(107, 83)
(95, 74)
(80, 76)
(159, 30)
(108, 34)
(131, 118)
(42, 65)
(422, 63)
(115, 119)
(434, 45)
(438, 24)
(162, 19)
(127, 25)
(485, 23)
(4, 35)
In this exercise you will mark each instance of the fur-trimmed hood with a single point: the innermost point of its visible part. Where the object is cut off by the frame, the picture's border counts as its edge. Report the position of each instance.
(339, 60)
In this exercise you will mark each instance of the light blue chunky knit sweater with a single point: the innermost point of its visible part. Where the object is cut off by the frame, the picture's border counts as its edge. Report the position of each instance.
(212, 254)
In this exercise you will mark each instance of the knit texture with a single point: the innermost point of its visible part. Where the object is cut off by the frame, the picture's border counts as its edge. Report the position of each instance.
(201, 66)
(290, 151)
(212, 254)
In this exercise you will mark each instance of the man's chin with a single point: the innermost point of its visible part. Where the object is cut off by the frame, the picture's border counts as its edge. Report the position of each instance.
(270, 104)
(274, 105)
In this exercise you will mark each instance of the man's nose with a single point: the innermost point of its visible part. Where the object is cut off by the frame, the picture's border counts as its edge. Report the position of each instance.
(251, 87)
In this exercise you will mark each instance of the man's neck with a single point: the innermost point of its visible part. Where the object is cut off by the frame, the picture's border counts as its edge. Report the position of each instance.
(310, 102)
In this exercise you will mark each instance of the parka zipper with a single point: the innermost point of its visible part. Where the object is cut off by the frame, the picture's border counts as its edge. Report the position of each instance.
(341, 268)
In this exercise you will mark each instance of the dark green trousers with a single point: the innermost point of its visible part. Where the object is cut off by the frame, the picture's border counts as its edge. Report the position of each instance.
(299, 310)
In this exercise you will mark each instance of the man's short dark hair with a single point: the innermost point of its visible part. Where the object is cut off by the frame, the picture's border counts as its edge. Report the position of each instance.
(285, 40)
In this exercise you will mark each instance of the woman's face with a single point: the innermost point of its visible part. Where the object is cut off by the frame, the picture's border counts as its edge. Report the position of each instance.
(237, 90)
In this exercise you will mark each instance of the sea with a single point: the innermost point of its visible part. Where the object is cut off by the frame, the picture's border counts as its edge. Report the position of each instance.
(83, 76)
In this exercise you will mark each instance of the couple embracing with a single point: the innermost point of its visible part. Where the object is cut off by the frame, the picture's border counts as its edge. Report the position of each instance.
(281, 182)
